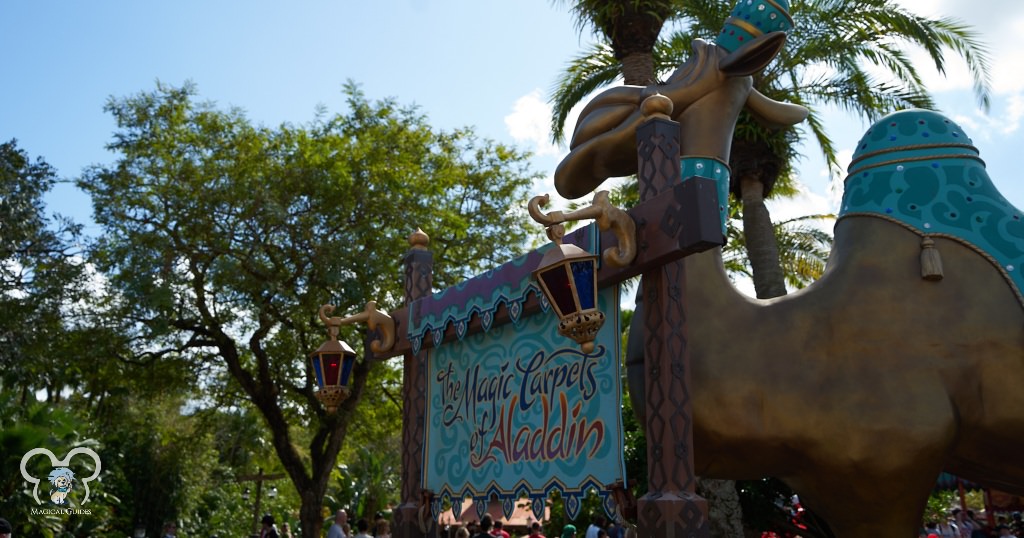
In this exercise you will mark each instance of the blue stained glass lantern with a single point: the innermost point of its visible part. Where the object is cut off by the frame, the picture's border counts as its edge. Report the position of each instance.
(332, 366)
(568, 277)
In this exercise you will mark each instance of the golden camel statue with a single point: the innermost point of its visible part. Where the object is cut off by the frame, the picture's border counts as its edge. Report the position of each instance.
(858, 390)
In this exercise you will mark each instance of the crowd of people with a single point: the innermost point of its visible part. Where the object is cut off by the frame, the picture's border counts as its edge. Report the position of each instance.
(964, 524)
(960, 524)
(488, 527)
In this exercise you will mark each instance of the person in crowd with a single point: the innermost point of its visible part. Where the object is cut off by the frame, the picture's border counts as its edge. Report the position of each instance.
(269, 530)
(463, 532)
(979, 529)
(362, 526)
(286, 531)
(485, 527)
(383, 527)
(947, 529)
(1005, 531)
(1017, 524)
(535, 530)
(569, 531)
(499, 530)
(6, 530)
(598, 524)
(170, 530)
(963, 524)
(337, 530)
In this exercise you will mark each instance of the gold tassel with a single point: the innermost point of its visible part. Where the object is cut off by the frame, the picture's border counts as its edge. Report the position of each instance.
(931, 261)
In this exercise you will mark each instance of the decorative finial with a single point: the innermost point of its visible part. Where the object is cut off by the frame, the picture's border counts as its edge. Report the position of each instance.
(419, 240)
(657, 105)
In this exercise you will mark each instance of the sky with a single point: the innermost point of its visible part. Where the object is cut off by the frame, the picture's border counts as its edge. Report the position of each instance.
(489, 65)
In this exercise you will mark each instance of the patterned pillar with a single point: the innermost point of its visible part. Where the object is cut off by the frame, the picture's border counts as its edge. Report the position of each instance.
(419, 267)
(670, 508)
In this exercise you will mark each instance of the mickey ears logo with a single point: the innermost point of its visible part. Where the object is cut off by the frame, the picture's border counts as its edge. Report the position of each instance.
(61, 478)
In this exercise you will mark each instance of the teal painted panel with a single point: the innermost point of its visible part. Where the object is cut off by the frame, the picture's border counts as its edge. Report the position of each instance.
(521, 410)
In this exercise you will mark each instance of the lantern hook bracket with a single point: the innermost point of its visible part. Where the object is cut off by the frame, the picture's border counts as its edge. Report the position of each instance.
(376, 320)
(607, 216)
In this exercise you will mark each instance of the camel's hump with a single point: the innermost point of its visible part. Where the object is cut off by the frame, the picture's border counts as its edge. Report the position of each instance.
(919, 168)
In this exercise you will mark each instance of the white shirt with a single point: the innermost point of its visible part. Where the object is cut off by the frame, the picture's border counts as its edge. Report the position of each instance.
(336, 532)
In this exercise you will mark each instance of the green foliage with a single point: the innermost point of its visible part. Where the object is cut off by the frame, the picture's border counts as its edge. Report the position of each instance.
(939, 506)
(590, 506)
(29, 425)
(221, 239)
(830, 56)
(41, 277)
(368, 475)
(803, 249)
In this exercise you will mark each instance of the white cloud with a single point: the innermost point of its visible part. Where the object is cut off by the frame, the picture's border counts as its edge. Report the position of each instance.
(805, 203)
(1004, 119)
(529, 123)
(1015, 110)
(836, 179)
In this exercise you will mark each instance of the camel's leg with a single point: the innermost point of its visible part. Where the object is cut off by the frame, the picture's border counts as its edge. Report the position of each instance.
(871, 505)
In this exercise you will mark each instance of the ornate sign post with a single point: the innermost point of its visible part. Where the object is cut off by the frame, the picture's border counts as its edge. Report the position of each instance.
(674, 219)
(671, 506)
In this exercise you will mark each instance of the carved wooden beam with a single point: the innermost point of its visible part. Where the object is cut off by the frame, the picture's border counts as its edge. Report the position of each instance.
(675, 223)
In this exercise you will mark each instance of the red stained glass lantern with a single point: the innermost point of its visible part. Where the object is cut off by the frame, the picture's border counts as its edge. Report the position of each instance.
(332, 366)
(568, 277)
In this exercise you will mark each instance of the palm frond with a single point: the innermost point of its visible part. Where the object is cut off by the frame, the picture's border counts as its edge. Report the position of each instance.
(585, 74)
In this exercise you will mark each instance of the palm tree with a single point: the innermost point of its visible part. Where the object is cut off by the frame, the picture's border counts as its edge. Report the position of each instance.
(832, 53)
(631, 29)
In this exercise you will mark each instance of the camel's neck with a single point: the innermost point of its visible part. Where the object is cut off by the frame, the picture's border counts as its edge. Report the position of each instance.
(706, 155)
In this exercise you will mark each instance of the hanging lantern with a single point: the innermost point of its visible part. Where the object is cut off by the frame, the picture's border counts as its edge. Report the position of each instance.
(332, 367)
(567, 275)
(332, 364)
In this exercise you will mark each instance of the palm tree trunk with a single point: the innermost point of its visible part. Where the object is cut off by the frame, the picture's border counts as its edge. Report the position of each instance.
(638, 69)
(762, 248)
(724, 513)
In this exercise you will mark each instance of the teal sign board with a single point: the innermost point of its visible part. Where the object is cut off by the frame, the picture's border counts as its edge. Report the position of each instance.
(519, 410)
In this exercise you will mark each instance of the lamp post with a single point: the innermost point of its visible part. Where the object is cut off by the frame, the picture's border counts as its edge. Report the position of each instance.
(259, 478)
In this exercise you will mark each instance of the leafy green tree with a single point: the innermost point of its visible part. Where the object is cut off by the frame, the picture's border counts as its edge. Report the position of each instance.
(803, 252)
(221, 239)
(368, 479)
(41, 275)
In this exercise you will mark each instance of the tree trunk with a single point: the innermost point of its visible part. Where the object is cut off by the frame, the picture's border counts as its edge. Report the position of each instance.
(638, 69)
(311, 515)
(755, 168)
(762, 248)
(725, 513)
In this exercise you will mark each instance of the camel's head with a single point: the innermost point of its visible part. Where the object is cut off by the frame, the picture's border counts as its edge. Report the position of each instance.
(716, 78)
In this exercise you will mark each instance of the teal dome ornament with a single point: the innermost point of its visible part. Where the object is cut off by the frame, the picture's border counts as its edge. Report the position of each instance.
(919, 169)
(913, 134)
(751, 19)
